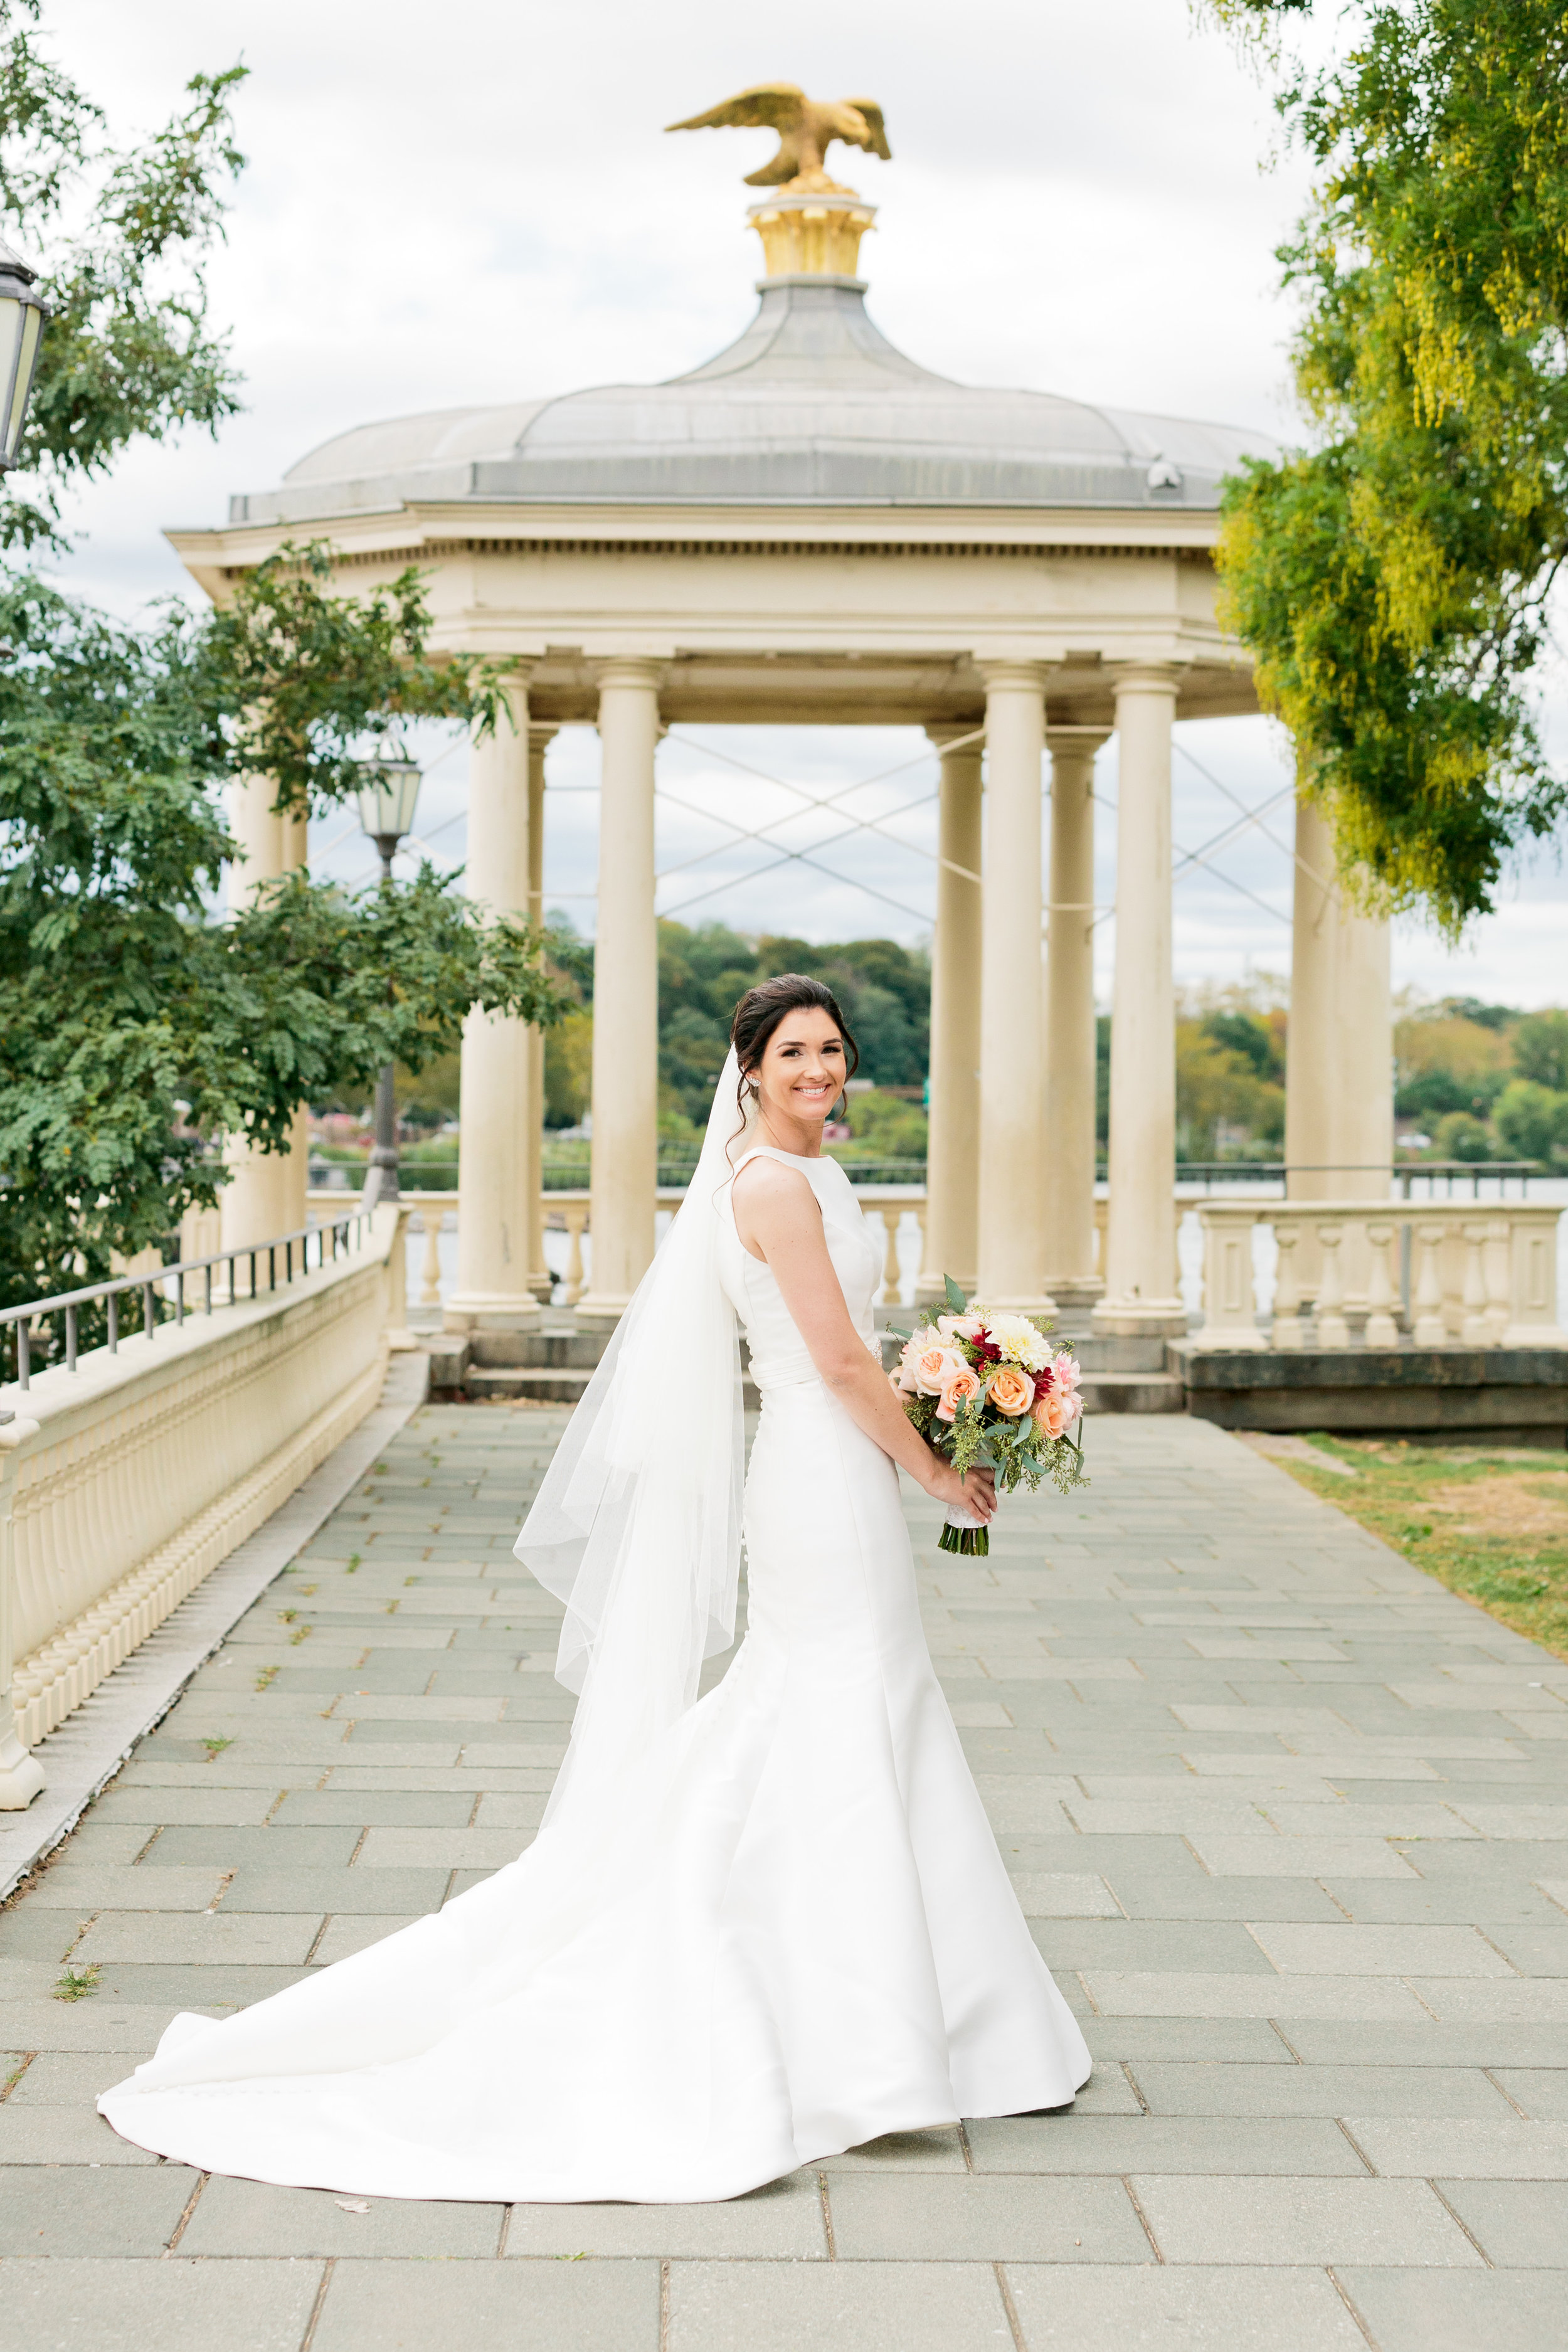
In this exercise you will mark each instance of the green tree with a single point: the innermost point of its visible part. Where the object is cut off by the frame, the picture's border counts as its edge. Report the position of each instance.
(1531, 1122)
(1541, 1049)
(1391, 580)
(120, 236)
(138, 1029)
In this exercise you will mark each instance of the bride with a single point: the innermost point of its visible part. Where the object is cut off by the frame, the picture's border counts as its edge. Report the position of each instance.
(759, 1927)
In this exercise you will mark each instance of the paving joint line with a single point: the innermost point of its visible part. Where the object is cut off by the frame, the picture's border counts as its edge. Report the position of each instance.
(1010, 2307)
(1460, 2221)
(179, 2231)
(311, 2324)
(1347, 2300)
(1126, 2181)
(826, 2217)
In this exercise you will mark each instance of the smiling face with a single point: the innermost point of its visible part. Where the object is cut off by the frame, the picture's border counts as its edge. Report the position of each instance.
(802, 1072)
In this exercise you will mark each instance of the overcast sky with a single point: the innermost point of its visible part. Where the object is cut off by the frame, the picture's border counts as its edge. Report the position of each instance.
(478, 204)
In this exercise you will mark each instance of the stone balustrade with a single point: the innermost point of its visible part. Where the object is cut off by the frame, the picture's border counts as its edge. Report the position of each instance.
(1373, 1274)
(124, 1482)
(569, 1212)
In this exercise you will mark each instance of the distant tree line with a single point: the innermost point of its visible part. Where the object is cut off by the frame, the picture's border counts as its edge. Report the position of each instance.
(884, 989)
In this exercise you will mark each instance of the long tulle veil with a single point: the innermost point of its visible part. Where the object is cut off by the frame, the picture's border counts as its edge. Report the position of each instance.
(636, 1527)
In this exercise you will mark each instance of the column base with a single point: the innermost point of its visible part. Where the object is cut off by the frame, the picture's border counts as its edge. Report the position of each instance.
(543, 1285)
(21, 1776)
(1140, 1319)
(594, 1308)
(1076, 1290)
(484, 1310)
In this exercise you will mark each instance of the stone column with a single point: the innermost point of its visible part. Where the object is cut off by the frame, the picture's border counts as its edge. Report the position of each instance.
(625, 994)
(1011, 1201)
(954, 1154)
(492, 1293)
(1338, 1092)
(296, 1178)
(1140, 1301)
(1069, 1134)
(539, 1278)
(259, 1198)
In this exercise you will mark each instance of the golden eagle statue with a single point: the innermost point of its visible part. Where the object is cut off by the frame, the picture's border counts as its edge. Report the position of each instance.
(806, 127)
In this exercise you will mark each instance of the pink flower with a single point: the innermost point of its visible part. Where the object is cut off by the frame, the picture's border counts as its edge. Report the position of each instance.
(956, 1390)
(1066, 1374)
(1055, 1412)
(933, 1367)
(1010, 1390)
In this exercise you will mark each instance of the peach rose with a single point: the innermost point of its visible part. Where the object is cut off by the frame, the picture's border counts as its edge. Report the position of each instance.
(1054, 1411)
(960, 1386)
(1010, 1390)
(934, 1367)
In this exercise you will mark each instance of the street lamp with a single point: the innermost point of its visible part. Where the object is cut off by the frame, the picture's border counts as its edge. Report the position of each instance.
(23, 311)
(387, 804)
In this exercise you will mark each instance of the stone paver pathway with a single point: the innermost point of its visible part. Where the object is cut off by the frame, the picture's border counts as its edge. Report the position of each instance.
(1291, 1821)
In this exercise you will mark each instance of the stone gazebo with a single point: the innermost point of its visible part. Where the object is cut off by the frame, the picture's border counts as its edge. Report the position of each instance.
(810, 528)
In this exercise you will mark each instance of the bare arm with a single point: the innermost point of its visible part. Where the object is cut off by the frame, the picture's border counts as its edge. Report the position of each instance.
(778, 1220)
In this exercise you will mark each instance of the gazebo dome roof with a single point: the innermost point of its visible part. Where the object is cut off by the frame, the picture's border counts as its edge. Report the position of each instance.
(812, 406)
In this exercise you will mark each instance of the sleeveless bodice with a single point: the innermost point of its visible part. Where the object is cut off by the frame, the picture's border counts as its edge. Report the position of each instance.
(779, 1354)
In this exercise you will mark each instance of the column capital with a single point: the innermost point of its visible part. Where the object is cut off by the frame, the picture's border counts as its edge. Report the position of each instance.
(1147, 677)
(1018, 675)
(541, 735)
(970, 734)
(1087, 739)
(630, 670)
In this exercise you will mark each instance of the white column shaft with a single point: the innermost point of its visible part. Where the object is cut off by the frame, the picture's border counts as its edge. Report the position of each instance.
(1012, 1212)
(493, 1291)
(1339, 1094)
(626, 992)
(1069, 1140)
(952, 1163)
(265, 1188)
(1140, 1244)
(538, 739)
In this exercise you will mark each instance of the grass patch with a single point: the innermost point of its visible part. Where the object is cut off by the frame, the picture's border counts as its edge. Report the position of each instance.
(1492, 1526)
(214, 1748)
(265, 1679)
(77, 1984)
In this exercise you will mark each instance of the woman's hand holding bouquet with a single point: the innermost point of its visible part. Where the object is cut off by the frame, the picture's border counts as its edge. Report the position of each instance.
(988, 1390)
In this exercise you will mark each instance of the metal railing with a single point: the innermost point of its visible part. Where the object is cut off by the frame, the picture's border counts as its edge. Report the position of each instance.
(336, 1238)
(1209, 1172)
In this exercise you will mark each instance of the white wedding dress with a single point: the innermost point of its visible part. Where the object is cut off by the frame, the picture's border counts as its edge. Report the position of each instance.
(787, 1931)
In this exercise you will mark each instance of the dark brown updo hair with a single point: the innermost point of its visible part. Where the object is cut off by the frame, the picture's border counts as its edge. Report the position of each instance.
(762, 1009)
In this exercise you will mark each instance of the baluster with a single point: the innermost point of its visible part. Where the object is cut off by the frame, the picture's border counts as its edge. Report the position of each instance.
(1429, 1329)
(1498, 1258)
(892, 1277)
(1101, 1218)
(1288, 1331)
(430, 1224)
(1474, 1329)
(1382, 1329)
(1227, 1299)
(920, 1218)
(577, 1218)
(1333, 1332)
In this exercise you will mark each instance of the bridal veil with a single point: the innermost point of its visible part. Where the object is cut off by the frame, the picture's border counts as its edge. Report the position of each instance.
(637, 1525)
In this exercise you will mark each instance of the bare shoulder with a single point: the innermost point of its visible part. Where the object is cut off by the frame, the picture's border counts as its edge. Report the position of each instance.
(766, 1185)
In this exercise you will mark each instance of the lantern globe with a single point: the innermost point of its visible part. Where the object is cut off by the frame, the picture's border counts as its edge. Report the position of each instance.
(388, 799)
(23, 313)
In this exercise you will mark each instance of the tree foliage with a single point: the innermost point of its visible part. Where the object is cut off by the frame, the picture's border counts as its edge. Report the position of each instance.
(139, 1030)
(120, 237)
(308, 682)
(1392, 581)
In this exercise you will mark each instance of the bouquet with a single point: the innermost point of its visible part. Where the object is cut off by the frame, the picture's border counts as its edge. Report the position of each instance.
(989, 1389)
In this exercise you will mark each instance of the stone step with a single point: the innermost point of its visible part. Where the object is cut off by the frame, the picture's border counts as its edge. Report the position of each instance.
(545, 1384)
(1133, 1392)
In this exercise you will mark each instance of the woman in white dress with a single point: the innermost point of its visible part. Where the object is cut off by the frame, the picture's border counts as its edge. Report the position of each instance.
(756, 1928)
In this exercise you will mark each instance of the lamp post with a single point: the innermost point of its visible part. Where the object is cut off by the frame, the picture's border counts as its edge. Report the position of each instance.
(23, 313)
(387, 804)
